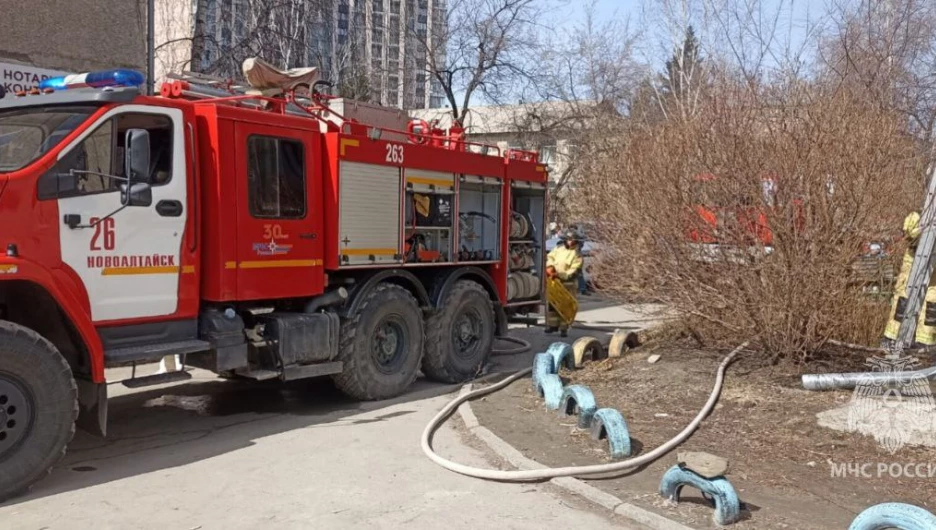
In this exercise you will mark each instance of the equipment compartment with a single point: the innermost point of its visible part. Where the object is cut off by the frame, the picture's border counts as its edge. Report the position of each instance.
(369, 214)
(479, 218)
(527, 218)
(429, 217)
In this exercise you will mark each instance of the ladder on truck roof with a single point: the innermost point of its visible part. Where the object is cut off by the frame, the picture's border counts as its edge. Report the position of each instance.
(197, 86)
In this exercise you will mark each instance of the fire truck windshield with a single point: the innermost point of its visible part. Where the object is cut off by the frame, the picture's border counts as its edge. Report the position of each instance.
(27, 134)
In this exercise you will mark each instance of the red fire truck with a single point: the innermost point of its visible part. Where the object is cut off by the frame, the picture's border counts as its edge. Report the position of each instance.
(257, 236)
(708, 214)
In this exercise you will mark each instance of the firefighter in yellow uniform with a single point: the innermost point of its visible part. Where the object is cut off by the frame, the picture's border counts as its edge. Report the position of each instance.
(563, 262)
(926, 322)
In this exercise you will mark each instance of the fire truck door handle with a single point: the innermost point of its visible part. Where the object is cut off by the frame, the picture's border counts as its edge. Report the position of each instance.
(310, 235)
(169, 208)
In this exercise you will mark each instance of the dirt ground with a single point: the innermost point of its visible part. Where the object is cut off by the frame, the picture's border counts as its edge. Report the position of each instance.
(781, 462)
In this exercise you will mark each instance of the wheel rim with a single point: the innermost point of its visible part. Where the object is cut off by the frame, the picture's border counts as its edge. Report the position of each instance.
(16, 414)
(467, 330)
(390, 343)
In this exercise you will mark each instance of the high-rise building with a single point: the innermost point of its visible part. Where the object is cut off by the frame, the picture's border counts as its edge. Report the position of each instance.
(380, 50)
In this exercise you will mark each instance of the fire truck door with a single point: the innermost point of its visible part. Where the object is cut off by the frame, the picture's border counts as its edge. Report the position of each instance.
(129, 261)
(279, 213)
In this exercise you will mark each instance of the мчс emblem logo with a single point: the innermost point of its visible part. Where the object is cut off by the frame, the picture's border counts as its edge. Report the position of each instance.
(891, 409)
(271, 248)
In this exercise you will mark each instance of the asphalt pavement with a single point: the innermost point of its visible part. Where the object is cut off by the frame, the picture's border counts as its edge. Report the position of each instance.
(217, 454)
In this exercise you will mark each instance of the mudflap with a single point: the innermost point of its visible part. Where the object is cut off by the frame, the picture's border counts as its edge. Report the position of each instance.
(501, 326)
(92, 407)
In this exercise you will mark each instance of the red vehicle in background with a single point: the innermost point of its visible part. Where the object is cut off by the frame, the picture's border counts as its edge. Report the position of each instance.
(712, 214)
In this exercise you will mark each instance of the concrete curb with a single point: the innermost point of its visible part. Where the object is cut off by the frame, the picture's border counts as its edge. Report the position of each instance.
(578, 487)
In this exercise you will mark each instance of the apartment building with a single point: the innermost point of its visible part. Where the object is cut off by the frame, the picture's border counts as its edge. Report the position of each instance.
(378, 49)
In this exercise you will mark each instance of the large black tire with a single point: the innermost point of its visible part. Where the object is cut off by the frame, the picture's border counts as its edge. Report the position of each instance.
(38, 408)
(460, 335)
(381, 345)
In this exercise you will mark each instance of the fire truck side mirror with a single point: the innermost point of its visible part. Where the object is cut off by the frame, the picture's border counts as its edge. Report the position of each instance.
(136, 194)
(137, 146)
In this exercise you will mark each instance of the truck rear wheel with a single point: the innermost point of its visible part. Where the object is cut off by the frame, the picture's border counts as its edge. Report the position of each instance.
(459, 337)
(38, 408)
(381, 345)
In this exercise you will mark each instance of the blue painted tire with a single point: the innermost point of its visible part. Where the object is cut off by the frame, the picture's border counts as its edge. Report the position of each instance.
(894, 515)
(550, 389)
(578, 400)
(727, 504)
(542, 365)
(562, 355)
(609, 424)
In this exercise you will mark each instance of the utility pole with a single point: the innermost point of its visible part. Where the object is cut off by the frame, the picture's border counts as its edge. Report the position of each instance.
(150, 47)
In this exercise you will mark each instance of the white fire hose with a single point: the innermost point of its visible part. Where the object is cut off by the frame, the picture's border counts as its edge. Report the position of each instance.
(572, 471)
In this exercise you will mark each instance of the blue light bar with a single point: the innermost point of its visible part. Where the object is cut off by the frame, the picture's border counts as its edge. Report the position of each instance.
(102, 79)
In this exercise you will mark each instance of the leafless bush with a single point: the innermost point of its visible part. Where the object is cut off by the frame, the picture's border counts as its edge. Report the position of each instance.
(845, 174)
(805, 152)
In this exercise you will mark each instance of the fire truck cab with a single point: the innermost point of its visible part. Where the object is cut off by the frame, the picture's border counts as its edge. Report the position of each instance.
(259, 237)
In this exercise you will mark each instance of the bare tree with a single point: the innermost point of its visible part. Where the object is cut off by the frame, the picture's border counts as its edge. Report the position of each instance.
(481, 48)
(886, 50)
(586, 78)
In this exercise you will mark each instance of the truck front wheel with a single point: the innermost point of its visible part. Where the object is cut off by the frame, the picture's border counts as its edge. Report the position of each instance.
(38, 408)
(381, 345)
(460, 335)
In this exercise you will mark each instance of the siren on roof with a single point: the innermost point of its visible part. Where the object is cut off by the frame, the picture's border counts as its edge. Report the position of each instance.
(101, 79)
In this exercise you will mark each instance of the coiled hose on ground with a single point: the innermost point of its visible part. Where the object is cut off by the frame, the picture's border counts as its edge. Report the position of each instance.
(573, 471)
(521, 348)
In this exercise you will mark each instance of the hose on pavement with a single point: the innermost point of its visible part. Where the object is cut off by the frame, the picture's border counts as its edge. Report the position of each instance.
(522, 347)
(572, 471)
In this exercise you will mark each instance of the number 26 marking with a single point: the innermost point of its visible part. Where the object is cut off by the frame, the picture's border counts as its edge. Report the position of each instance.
(395, 154)
(104, 237)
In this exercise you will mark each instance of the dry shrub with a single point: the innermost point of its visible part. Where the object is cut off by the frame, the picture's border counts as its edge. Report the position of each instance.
(846, 174)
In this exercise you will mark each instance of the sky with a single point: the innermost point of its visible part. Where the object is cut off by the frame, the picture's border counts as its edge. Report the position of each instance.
(795, 17)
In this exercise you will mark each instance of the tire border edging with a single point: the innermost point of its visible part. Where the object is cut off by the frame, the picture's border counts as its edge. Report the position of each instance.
(570, 484)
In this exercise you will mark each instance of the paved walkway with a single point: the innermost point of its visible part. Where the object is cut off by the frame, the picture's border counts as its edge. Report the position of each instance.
(224, 455)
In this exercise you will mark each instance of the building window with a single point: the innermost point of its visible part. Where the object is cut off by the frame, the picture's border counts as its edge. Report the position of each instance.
(276, 177)
(547, 155)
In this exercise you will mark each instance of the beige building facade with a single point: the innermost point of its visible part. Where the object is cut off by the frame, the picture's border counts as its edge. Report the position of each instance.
(549, 128)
